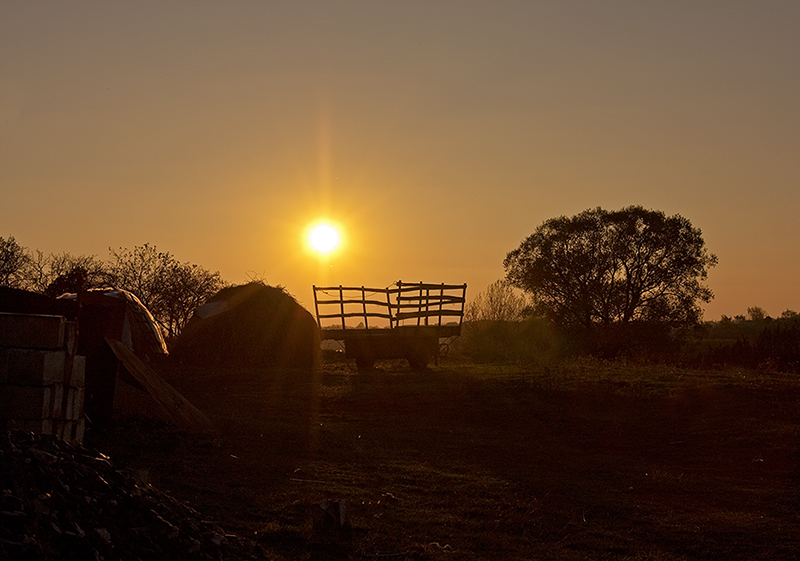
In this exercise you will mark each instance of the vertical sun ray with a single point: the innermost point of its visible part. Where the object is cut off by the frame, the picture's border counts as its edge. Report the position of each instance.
(324, 157)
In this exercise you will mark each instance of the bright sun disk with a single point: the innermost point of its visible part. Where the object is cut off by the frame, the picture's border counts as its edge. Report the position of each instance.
(323, 238)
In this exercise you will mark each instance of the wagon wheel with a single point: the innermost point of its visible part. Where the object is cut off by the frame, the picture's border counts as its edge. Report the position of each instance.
(364, 362)
(417, 361)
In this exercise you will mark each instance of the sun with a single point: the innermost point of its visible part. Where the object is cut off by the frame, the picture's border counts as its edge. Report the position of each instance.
(323, 238)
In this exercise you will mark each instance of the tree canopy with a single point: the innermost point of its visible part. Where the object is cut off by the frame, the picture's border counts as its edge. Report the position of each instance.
(14, 259)
(169, 288)
(614, 267)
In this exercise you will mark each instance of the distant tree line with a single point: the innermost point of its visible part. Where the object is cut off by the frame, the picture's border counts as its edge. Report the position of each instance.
(752, 340)
(169, 288)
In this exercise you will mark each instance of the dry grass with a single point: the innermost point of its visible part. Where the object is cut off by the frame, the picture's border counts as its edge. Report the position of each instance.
(585, 461)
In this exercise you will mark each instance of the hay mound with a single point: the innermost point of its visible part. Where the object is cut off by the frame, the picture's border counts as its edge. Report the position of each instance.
(252, 325)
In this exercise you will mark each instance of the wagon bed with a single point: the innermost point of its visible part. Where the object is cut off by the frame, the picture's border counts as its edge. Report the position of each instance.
(405, 320)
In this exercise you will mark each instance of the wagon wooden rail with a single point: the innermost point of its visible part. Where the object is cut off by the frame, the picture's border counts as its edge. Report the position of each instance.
(405, 320)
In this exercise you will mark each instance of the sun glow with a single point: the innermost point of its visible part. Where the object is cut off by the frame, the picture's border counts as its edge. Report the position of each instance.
(323, 238)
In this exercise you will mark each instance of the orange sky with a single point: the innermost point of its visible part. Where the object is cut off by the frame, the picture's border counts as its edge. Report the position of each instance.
(440, 134)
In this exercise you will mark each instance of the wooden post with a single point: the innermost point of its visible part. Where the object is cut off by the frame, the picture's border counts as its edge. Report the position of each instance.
(389, 307)
(463, 302)
(441, 298)
(399, 297)
(419, 305)
(364, 305)
(316, 305)
(426, 302)
(341, 305)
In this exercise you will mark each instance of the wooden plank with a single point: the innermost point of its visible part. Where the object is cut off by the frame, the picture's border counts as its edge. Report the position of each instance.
(433, 298)
(405, 287)
(426, 313)
(350, 288)
(355, 315)
(358, 301)
(416, 286)
(432, 312)
(167, 397)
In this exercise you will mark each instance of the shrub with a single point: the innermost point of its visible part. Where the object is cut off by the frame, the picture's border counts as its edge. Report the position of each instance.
(532, 340)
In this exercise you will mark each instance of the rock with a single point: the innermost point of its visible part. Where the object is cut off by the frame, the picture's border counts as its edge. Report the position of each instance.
(330, 522)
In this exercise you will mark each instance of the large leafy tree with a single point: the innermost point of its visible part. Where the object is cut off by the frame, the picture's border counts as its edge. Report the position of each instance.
(602, 268)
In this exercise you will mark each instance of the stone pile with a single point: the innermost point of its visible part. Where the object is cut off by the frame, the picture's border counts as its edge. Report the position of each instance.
(64, 501)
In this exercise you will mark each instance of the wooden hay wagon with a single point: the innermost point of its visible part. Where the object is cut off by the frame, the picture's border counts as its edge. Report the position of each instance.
(407, 320)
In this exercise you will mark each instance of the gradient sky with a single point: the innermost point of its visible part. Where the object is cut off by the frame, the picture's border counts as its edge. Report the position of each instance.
(439, 134)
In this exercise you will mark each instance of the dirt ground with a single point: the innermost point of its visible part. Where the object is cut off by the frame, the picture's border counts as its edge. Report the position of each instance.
(463, 461)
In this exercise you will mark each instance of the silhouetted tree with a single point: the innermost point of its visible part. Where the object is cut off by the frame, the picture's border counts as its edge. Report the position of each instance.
(499, 302)
(57, 273)
(611, 268)
(73, 281)
(13, 260)
(756, 313)
(187, 286)
(141, 271)
(168, 288)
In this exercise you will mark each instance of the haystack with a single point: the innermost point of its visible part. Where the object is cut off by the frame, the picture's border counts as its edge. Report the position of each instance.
(252, 325)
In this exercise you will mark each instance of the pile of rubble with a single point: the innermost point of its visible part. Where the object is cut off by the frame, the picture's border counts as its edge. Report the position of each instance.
(59, 501)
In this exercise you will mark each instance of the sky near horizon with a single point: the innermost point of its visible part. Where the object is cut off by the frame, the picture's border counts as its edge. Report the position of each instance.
(437, 134)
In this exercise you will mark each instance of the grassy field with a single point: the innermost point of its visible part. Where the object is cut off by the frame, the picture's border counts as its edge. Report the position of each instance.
(584, 461)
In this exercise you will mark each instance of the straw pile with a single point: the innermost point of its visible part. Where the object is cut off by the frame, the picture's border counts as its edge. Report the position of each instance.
(252, 325)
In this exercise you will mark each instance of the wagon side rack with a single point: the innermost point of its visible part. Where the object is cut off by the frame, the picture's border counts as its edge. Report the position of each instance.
(405, 320)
